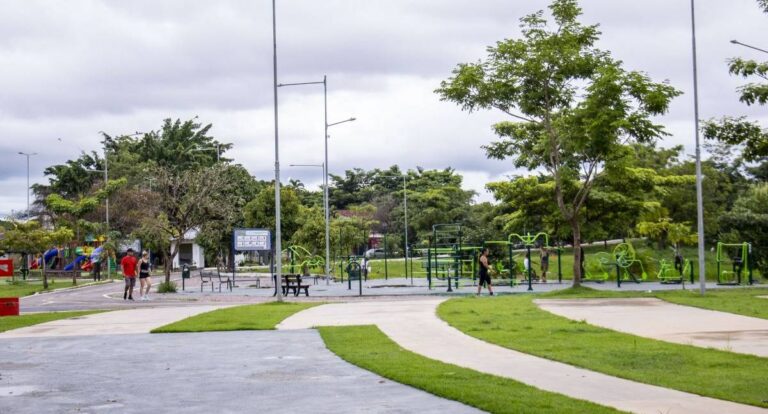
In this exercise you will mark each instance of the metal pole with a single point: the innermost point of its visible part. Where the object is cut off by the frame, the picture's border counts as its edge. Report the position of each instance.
(325, 189)
(278, 247)
(405, 212)
(699, 190)
(386, 271)
(106, 202)
(27, 215)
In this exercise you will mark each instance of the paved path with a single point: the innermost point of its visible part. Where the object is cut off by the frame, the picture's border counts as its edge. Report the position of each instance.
(129, 321)
(655, 318)
(200, 373)
(415, 326)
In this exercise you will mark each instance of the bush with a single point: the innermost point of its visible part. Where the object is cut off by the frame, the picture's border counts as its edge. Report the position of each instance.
(166, 287)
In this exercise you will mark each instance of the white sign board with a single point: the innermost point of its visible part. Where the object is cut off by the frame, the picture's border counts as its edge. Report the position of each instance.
(252, 240)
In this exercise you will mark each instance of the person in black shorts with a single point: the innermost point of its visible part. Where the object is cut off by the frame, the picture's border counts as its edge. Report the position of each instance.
(485, 277)
(144, 279)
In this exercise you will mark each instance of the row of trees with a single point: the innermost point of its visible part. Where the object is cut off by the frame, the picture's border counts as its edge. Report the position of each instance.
(584, 126)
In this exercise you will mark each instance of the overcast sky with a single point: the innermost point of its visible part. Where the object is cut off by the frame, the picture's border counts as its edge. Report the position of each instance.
(71, 69)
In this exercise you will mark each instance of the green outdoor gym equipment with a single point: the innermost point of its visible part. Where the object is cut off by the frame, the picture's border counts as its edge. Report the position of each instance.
(301, 257)
(739, 261)
(509, 269)
(447, 257)
(626, 261)
(529, 240)
(598, 267)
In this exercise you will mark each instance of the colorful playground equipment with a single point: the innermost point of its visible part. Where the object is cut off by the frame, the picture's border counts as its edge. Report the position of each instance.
(737, 255)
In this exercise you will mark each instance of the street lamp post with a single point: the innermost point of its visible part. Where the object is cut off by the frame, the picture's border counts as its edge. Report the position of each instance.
(326, 207)
(106, 187)
(736, 42)
(278, 235)
(405, 219)
(27, 154)
(217, 149)
(699, 194)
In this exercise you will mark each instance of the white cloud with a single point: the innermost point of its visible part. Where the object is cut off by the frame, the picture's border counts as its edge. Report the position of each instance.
(71, 69)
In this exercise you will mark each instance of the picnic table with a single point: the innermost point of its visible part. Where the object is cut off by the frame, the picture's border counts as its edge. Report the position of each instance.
(291, 283)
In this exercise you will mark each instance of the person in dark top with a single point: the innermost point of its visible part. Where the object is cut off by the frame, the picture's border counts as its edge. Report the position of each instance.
(544, 254)
(144, 279)
(581, 261)
(485, 277)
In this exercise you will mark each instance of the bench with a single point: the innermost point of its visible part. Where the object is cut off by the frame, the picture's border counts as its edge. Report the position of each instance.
(292, 283)
(54, 273)
(205, 277)
(211, 276)
(224, 279)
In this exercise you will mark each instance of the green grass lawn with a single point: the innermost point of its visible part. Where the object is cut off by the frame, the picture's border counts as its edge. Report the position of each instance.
(742, 301)
(368, 348)
(14, 322)
(517, 323)
(263, 316)
(21, 288)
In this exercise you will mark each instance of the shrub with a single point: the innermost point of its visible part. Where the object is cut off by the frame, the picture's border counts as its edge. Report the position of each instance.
(166, 287)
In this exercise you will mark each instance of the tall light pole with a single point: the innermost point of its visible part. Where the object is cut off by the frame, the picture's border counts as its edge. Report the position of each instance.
(27, 154)
(106, 186)
(736, 42)
(405, 219)
(326, 207)
(699, 190)
(278, 235)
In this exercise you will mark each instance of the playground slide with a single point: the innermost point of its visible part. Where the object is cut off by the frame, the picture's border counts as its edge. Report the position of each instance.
(50, 254)
(77, 261)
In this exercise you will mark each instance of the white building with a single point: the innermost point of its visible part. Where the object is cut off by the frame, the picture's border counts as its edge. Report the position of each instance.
(190, 252)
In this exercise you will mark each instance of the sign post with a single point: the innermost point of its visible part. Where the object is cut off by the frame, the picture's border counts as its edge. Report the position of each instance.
(249, 240)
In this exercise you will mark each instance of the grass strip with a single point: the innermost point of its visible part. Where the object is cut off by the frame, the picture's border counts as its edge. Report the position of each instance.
(19, 288)
(515, 322)
(370, 349)
(263, 316)
(742, 301)
(738, 300)
(15, 322)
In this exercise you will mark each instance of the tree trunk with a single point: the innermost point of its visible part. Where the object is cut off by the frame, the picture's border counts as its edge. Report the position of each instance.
(576, 228)
(169, 262)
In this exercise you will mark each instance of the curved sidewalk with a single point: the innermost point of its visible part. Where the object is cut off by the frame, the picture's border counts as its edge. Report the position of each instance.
(131, 321)
(657, 319)
(415, 326)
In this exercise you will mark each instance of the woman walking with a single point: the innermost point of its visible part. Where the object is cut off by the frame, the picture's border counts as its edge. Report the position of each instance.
(144, 279)
(485, 277)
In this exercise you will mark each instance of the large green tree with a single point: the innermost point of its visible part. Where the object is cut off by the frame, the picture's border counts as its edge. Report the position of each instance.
(572, 106)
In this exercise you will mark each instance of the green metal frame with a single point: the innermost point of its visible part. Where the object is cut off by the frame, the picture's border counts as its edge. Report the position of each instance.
(512, 271)
(626, 259)
(601, 263)
(733, 277)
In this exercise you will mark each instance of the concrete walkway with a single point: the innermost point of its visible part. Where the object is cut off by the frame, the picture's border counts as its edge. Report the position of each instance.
(131, 321)
(198, 373)
(415, 326)
(657, 319)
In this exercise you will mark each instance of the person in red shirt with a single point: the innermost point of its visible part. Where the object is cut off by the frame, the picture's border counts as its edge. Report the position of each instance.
(129, 274)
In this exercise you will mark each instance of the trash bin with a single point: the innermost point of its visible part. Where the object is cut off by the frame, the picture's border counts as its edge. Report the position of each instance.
(185, 272)
(9, 306)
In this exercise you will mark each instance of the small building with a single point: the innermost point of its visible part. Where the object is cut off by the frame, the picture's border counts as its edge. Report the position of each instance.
(190, 253)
